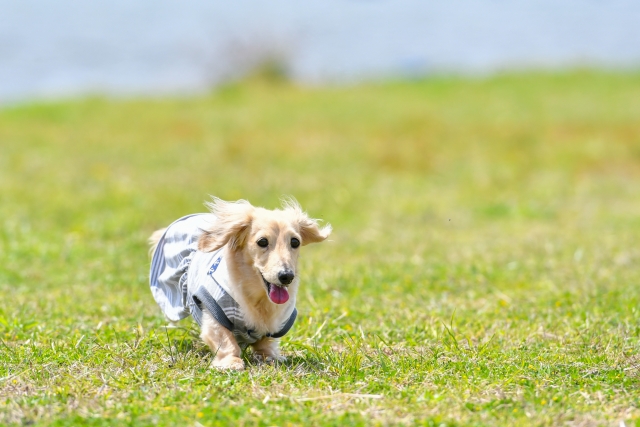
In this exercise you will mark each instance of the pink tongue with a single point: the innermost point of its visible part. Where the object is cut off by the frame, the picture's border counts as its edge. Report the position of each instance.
(278, 294)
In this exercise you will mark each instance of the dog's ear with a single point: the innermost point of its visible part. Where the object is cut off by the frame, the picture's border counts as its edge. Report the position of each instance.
(231, 226)
(310, 232)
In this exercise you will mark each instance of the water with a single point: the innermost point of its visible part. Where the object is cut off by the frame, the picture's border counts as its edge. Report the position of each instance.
(71, 47)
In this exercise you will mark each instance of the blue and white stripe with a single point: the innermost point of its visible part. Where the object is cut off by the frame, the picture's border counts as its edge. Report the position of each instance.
(178, 270)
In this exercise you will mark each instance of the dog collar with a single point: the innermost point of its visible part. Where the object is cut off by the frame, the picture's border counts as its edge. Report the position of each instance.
(203, 299)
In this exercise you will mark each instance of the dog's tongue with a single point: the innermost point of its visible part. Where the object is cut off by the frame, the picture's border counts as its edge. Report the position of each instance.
(278, 294)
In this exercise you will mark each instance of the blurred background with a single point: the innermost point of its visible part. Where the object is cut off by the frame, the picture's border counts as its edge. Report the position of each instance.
(70, 47)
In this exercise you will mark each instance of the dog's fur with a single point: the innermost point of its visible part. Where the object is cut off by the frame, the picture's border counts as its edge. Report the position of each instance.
(239, 226)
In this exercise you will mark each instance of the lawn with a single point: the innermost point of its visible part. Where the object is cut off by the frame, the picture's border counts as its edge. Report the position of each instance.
(483, 270)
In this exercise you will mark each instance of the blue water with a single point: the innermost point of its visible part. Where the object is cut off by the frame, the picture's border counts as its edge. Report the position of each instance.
(67, 47)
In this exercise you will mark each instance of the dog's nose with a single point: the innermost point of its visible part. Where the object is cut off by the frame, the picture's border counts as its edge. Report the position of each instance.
(286, 277)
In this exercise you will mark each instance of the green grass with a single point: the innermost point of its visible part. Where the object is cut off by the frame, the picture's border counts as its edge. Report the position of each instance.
(483, 268)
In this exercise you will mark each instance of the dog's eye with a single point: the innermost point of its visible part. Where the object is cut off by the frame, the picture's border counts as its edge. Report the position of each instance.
(295, 242)
(263, 243)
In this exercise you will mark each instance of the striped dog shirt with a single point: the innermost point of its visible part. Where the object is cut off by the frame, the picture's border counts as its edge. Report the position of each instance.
(185, 280)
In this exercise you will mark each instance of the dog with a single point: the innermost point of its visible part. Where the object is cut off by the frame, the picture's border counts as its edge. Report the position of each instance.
(235, 270)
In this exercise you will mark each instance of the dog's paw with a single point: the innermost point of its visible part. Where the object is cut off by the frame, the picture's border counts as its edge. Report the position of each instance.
(229, 363)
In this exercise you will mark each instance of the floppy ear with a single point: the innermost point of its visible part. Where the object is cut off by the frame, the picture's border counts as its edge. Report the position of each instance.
(310, 232)
(231, 226)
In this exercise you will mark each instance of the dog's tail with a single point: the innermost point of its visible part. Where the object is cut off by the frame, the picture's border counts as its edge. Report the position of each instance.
(154, 239)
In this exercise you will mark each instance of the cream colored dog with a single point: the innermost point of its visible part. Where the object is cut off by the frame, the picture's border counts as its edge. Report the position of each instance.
(246, 259)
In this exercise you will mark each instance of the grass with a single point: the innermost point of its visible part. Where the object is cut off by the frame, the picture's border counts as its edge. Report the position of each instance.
(483, 269)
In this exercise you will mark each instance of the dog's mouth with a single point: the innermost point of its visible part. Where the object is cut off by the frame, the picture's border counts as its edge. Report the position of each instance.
(277, 294)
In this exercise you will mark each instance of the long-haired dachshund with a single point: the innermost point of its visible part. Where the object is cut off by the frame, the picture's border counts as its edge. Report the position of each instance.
(236, 271)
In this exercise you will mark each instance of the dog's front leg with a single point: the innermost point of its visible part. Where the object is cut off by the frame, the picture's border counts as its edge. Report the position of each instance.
(222, 343)
(268, 349)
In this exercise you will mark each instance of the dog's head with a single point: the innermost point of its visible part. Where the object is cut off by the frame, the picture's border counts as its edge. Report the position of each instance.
(268, 241)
